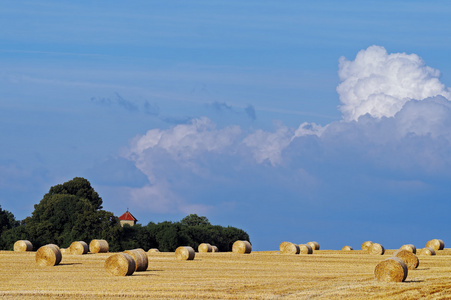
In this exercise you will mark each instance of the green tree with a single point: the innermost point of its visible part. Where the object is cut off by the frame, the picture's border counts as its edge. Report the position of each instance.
(69, 212)
(79, 187)
(195, 220)
(7, 220)
(7, 224)
(10, 236)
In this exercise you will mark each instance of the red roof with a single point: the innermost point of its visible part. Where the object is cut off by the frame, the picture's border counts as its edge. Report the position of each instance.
(127, 216)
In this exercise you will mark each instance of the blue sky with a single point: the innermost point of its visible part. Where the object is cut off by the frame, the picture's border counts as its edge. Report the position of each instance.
(326, 120)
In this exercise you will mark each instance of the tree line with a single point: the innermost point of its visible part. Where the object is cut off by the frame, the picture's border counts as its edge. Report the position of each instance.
(72, 211)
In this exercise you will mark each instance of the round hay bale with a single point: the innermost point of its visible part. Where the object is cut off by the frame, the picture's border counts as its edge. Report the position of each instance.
(366, 245)
(153, 250)
(289, 248)
(214, 249)
(140, 258)
(48, 255)
(376, 249)
(23, 245)
(314, 245)
(98, 246)
(392, 269)
(410, 259)
(426, 251)
(78, 248)
(120, 264)
(184, 253)
(347, 248)
(242, 247)
(409, 247)
(305, 249)
(435, 244)
(204, 247)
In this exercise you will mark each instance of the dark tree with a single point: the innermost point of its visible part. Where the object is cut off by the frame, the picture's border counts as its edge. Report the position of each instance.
(191, 231)
(8, 223)
(70, 212)
(7, 220)
(195, 220)
(79, 187)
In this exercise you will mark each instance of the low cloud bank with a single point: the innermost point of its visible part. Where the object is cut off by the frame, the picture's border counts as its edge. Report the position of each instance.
(396, 120)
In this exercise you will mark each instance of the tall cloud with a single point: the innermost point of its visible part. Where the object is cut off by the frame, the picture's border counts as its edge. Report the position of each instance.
(379, 84)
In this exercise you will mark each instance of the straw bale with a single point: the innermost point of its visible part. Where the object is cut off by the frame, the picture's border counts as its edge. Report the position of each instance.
(140, 257)
(98, 246)
(409, 247)
(392, 269)
(153, 250)
(314, 245)
(426, 251)
(204, 247)
(48, 255)
(120, 264)
(435, 244)
(54, 246)
(242, 247)
(184, 253)
(366, 245)
(289, 248)
(376, 249)
(347, 248)
(305, 249)
(78, 248)
(410, 259)
(23, 245)
(214, 249)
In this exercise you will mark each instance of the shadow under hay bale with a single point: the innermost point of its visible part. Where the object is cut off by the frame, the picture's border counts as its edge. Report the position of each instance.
(185, 253)
(392, 269)
(305, 249)
(140, 258)
(48, 255)
(78, 248)
(120, 264)
(435, 244)
(241, 247)
(376, 249)
(98, 246)
(347, 248)
(409, 247)
(204, 247)
(410, 259)
(23, 245)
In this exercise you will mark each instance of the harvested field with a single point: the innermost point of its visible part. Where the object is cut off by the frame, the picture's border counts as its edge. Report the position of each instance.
(325, 274)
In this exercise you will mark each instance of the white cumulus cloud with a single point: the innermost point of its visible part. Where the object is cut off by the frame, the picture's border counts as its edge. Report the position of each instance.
(182, 143)
(379, 84)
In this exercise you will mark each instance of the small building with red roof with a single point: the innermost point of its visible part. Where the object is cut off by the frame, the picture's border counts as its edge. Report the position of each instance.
(127, 218)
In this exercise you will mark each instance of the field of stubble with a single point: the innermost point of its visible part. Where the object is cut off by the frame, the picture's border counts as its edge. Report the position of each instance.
(326, 274)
